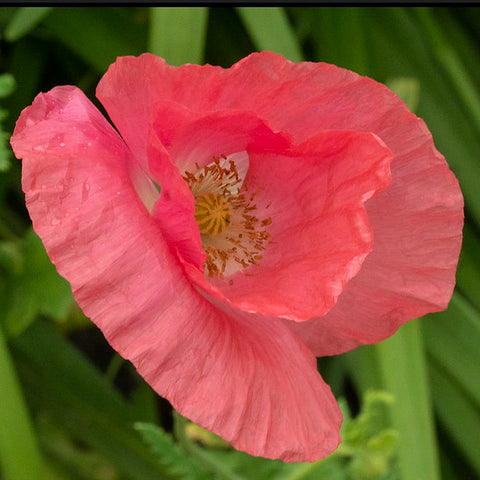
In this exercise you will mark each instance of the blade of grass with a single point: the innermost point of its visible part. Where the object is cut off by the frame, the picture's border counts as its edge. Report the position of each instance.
(19, 453)
(60, 383)
(452, 338)
(270, 29)
(457, 413)
(24, 20)
(178, 33)
(391, 32)
(468, 273)
(98, 35)
(446, 55)
(340, 34)
(403, 367)
(363, 363)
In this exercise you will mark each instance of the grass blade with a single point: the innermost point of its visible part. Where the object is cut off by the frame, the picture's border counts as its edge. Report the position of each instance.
(446, 55)
(457, 413)
(19, 454)
(468, 274)
(98, 35)
(452, 339)
(270, 30)
(24, 20)
(178, 33)
(403, 366)
(62, 385)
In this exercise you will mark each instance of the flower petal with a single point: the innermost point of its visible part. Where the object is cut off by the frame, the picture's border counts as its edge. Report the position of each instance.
(417, 221)
(174, 209)
(420, 214)
(319, 229)
(245, 377)
(132, 87)
(315, 193)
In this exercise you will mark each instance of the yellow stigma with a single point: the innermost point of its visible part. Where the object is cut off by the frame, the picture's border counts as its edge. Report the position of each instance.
(212, 213)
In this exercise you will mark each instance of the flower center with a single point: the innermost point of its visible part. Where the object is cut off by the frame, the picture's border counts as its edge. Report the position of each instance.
(232, 235)
(212, 213)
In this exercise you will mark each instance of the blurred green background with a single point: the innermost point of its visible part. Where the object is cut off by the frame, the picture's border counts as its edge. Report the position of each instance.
(70, 408)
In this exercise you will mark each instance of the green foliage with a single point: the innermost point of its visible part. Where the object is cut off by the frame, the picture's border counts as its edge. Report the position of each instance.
(30, 285)
(369, 439)
(24, 20)
(175, 461)
(65, 389)
(430, 58)
(7, 86)
(367, 452)
(408, 89)
(178, 34)
(270, 30)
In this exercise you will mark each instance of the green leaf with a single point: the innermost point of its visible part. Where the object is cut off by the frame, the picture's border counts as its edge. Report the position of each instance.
(339, 35)
(408, 89)
(202, 457)
(270, 29)
(178, 33)
(20, 458)
(457, 413)
(468, 272)
(452, 338)
(98, 35)
(37, 289)
(403, 366)
(445, 53)
(7, 84)
(11, 261)
(72, 460)
(24, 20)
(371, 422)
(59, 382)
(174, 460)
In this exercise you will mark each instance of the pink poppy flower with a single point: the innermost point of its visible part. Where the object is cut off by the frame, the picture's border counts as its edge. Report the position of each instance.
(241, 222)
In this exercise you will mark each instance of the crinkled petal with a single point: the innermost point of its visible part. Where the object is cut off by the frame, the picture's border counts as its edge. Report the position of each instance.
(312, 193)
(174, 209)
(201, 138)
(132, 87)
(417, 221)
(190, 147)
(320, 234)
(245, 377)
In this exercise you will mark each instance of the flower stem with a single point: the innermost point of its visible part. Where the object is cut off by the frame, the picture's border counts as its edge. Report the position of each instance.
(20, 458)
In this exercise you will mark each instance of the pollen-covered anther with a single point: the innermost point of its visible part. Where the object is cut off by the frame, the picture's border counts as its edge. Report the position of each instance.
(233, 237)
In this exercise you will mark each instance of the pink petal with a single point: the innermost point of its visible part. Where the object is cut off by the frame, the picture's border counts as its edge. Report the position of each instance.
(417, 221)
(245, 377)
(315, 192)
(174, 210)
(190, 148)
(320, 232)
(198, 139)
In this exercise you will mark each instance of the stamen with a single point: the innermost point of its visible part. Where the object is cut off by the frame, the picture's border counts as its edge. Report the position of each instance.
(232, 236)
